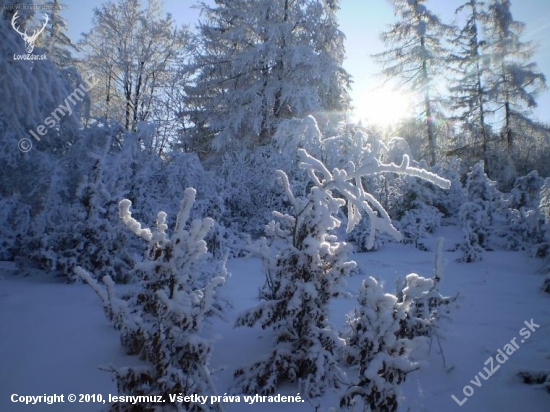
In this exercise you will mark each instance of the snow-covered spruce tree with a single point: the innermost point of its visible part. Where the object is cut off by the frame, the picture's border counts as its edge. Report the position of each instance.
(305, 267)
(32, 90)
(302, 274)
(526, 191)
(543, 250)
(474, 227)
(383, 331)
(479, 215)
(259, 62)
(449, 202)
(526, 219)
(163, 319)
(480, 189)
(374, 344)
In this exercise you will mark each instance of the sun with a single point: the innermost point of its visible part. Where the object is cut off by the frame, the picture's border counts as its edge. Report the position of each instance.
(383, 107)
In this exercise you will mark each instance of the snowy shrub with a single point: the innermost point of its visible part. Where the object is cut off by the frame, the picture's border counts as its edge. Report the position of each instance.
(294, 134)
(525, 193)
(526, 221)
(305, 267)
(448, 202)
(163, 319)
(427, 309)
(173, 174)
(483, 191)
(540, 379)
(417, 224)
(411, 201)
(359, 238)
(96, 240)
(384, 330)
(375, 346)
(483, 216)
(415, 211)
(15, 215)
(168, 181)
(248, 189)
(77, 223)
(524, 229)
(475, 225)
(543, 249)
(248, 185)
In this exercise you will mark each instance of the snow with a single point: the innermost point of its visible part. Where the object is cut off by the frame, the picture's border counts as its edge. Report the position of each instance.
(54, 336)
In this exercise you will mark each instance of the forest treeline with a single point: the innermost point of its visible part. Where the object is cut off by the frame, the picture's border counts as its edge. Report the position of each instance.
(238, 129)
(217, 106)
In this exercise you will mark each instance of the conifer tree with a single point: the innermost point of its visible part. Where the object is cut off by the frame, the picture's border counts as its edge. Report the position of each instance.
(258, 62)
(32, 91)
(163, 320)
(416, 56)
(515, 80)
(375, 345)
(58, 44)
(305, 268)
(469, 93)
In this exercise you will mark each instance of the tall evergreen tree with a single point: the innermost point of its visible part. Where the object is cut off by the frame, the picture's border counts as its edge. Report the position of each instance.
(31, 90)
(58, 44)
(36, 132)
(515, 80)
(469, 94)
(260, 61)
(416, 55)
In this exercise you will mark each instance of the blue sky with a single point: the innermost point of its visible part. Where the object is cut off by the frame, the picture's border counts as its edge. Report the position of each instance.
(362, 21)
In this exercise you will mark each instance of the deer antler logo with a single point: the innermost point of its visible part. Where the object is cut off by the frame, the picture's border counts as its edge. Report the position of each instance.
(29, 40)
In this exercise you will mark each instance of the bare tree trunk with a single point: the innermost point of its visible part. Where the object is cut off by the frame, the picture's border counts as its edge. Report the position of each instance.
(480, 91)
(137, 96)
(428, 104)
(128, 97)
(108, 96)
(508, 126)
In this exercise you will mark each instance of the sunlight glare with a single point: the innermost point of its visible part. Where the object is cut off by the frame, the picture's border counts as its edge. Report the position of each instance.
(383, 107)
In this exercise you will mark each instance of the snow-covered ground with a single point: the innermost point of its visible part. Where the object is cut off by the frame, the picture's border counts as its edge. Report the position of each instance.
(53, 336)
